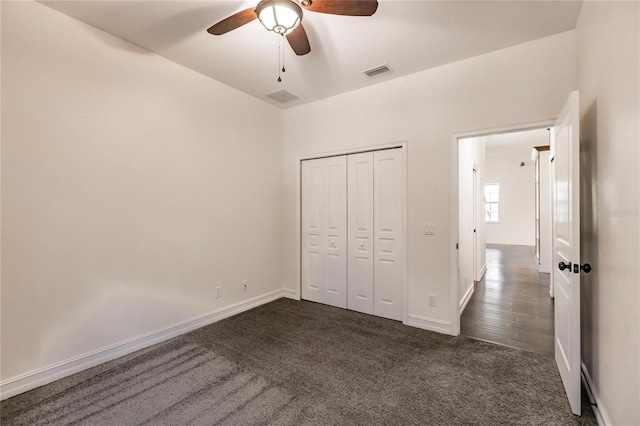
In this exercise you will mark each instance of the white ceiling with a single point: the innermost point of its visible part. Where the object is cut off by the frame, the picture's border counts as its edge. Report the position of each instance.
(409, 36)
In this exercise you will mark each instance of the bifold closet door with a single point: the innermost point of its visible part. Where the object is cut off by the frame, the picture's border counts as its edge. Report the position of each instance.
(360, 231)
(324, 230)
(388, 234)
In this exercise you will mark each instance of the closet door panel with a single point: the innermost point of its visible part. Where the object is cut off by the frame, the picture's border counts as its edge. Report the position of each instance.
(360, 230)
(311, 223)
(388, 236)
(335, 231)
(324, 231)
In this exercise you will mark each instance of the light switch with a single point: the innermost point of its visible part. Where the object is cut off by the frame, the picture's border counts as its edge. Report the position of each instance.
(429, 229)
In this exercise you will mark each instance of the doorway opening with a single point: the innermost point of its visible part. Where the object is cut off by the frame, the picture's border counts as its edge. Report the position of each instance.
(504, 231)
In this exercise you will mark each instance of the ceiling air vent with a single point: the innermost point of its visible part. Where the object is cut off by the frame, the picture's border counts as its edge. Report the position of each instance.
(283, 96)
(380, 69)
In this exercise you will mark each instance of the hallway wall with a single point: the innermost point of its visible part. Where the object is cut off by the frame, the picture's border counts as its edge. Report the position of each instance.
(471, 155)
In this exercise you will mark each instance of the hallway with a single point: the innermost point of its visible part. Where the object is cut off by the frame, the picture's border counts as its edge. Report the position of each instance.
(511, 304)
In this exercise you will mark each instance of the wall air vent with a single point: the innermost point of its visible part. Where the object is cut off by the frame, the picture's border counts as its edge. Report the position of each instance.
(380, 69)
(283, 96)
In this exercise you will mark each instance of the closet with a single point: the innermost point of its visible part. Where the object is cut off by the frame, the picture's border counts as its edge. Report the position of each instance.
(352, 232)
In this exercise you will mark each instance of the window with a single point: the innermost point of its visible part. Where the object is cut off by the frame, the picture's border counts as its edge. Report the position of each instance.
(492, 202)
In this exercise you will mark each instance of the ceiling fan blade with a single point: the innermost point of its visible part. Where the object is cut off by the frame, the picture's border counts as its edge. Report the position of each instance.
(234, 21)
(343, 7)
(299, 41)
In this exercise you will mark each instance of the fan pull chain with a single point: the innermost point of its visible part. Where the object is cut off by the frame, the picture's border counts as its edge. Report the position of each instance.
(281, 57)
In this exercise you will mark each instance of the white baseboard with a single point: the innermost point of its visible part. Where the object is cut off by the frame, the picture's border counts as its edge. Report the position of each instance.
(48, 374)
(596, 404)
(291, 293)
(431, 324)
(467, 297)
(482, 271)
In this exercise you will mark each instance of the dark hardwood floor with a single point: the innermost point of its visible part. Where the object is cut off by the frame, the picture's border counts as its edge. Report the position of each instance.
(511, 304)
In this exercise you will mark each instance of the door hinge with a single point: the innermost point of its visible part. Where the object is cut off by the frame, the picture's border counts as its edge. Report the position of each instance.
(456, 246)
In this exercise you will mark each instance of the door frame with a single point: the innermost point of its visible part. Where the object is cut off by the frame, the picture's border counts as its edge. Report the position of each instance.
(476, 197)
(455, 194)
(403, 145)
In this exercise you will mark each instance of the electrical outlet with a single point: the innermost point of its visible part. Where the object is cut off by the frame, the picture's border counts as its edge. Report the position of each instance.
(432, 300)
(244, 285)
(218, 292)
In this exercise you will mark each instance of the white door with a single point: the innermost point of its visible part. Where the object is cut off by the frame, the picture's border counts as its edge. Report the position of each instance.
(360, 224)
(324, 231)
(566, 251)
(388, 234)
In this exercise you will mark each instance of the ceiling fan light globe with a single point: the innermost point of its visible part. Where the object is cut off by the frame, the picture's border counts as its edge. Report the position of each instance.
(279, 16)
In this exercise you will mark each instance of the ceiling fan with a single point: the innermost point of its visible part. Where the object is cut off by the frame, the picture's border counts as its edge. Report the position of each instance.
(284, 17)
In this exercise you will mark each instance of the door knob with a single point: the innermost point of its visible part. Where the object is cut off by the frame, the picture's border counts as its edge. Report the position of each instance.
(586, 268)
(564, 266)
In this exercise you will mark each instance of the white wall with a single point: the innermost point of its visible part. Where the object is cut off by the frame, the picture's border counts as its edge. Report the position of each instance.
(471, 155)
(608, 46)
(131, 188)
(514, 85)
(517, 185)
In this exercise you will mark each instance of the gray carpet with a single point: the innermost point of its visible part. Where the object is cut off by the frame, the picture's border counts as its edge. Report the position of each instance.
(298, 363)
